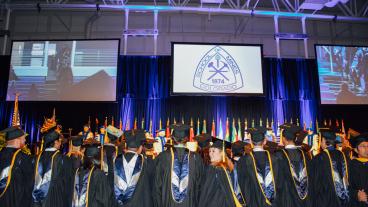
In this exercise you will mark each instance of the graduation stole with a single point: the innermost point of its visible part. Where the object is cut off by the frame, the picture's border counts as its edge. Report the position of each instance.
(234, 186)
(340, 184)
(300, 179)
(6, 173)
(163, 142)
(267, 182)
(125, 180)
(80, 195)
(42, 179)
(179, 176)
(362, 160)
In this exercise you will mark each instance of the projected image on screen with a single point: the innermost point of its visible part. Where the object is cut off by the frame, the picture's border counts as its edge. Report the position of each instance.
(81, 70)
(217, 69)
(343, 74)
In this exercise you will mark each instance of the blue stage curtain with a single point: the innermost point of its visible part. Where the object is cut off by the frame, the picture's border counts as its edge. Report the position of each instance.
(143, 92)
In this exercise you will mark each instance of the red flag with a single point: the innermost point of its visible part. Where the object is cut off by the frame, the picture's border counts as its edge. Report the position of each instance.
(191, 132)
(120, 124)
(135, 123)
(337, 123)
(112, 121)
(213, 129)
(105, 124)
(168, 128)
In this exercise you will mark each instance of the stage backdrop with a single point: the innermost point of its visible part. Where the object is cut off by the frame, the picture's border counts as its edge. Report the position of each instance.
(143, 88)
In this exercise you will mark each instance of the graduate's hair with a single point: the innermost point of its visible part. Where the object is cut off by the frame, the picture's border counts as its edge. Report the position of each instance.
(227, 164)
(89, 162)
(49, 145)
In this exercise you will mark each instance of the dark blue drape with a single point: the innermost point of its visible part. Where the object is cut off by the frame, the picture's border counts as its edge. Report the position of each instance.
(143, 88)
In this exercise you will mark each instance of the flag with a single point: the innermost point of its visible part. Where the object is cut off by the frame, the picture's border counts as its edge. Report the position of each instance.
(252, 123)
(267, 123)
(89, 122)
(16, 117)
(234, 135)
(238, 135)
(96, 121)
(325, 122)
(297, 122)
(182, 120)
(342, 126)
(120, 124)
(168, 128)
(260, 121)
(127, 125)
(221, 133)
(204, 128)
(213, 128)
(191, 132)
(278, 130)
(135, 123)
(227, 131)
(330, 123)
(198, 127)
(150, 127)
(112, 121)
(245, 129)
(291, 120)
(160, 124)
(142, 124)
(305, 126)
(337, 123)
(105, 124)
(174, 120)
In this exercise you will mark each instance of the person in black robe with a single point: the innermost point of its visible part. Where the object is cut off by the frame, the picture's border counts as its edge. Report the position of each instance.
(294, 170)
(258, 172)
(16, 170)
(203, 141)
(91, 187)
(218, 183)
(358, 172)
(132, 173)
(52, 172)
(329, 173)
(178, 173)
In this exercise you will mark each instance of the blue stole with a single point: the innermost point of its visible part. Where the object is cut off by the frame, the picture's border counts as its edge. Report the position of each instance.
(125, 182)
(235, 184)
(179, 176)
(163, 142)
(42, 179)
(102, 139)
(300, 178)
(340, 180)
(266, 181)
(80, 195)
(310, 139)
(5, 176)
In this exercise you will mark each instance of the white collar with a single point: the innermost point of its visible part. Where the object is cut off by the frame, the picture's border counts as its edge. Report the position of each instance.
(11, 146)
(236, 158)
(51, 149)
(258, 149)
(291, 146)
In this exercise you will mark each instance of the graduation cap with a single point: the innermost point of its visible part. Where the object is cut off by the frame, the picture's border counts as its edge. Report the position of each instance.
(181, 131)
(92, 147)
(328, 134)
(134, 138)
(220, 144)
(203, 140)
(290, 131)
(12, 133)
(51, 137)
(300, 136)
(257, 134)
(238, 148)
(113, 133)
(356, 140)
(77, 140)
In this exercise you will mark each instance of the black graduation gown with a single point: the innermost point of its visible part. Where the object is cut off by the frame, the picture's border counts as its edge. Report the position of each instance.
(288, 195)
(100, 192)
(142, 195)
(162, 189)
(358, 175)
(323, 188)
(57, 194)
(19, 191)
(248, 181)
(215, 189)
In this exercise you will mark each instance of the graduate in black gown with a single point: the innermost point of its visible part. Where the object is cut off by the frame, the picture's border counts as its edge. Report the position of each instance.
(358, 172)
(294, 170)
(258, 172)
(218, 186)
(52, 173)
(132, 173)
(203, 141)
(91, 187)
(178, 173)
(16, 170)
(329, 173)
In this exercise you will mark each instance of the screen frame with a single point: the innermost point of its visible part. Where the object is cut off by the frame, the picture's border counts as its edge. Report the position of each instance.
(172, 93)
(319, 83)
(44, 40)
